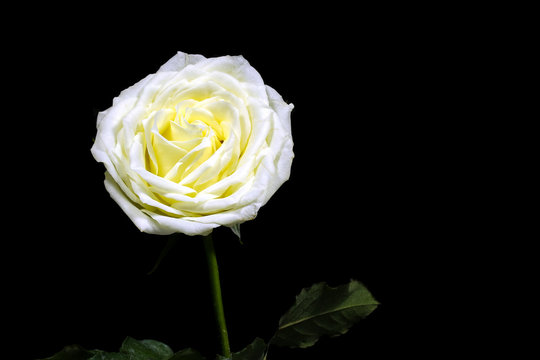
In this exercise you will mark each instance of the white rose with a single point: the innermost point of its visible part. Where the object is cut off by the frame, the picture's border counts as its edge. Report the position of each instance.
(199, 144)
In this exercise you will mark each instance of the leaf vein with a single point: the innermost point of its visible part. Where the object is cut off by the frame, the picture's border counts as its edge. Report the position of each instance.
(322, 314)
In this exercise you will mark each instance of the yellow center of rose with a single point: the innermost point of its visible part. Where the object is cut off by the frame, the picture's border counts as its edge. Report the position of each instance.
(181, 138)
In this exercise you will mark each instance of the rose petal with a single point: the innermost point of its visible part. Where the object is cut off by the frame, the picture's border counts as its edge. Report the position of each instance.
(180, 61)
(188, 227)
(141, 220)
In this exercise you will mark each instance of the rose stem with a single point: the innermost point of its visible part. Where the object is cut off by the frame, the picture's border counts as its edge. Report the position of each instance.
(216, 294)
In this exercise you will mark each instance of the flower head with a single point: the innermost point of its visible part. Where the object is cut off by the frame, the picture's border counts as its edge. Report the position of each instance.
(201, 143)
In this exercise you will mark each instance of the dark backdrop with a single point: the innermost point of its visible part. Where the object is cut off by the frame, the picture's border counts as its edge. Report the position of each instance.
(77, 272)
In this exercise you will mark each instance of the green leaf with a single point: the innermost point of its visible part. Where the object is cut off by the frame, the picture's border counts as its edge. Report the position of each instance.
(145, 349)
(187, 354)
(102, 355)
(254, 351)
(131, 349)
(322, 310)
(72, 352)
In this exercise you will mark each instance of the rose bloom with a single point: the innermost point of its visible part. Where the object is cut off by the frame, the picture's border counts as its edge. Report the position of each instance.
(201, 143)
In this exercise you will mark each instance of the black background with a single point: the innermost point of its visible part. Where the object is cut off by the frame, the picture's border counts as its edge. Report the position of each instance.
(355, 206)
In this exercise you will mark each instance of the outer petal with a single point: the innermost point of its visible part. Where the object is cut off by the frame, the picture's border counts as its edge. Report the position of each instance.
(281, 144)
(282, 109)
(171, 225)
(180, 61)
(143, 222)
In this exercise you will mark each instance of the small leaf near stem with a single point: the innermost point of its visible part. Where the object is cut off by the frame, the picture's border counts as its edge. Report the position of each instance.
(169, 245)
(216, 294)
(236, 230)
(254, 351)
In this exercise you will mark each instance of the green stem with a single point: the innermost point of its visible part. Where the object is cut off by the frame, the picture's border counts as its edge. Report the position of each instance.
(216, 294)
